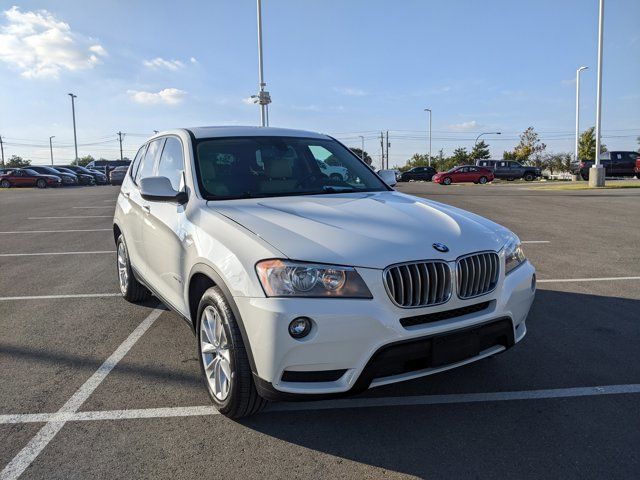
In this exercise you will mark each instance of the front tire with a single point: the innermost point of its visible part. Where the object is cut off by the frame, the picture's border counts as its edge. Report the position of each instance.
(336, 177)
(223, 358)
(41, 183)
(132, 290)
(446, 181)
(482, 180)
(5, 184)
(528, 177)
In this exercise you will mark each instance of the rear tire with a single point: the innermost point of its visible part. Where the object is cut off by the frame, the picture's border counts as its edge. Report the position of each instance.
(132, 290)
(585, 177)
(41, 183)
(336, 177)
(226, 356)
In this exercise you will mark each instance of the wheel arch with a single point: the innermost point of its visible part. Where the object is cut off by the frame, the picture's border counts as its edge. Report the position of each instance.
(201, 278)
(116, 232)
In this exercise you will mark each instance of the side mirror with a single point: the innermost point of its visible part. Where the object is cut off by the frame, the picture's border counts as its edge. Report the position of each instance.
(159, 189)
(388, 176)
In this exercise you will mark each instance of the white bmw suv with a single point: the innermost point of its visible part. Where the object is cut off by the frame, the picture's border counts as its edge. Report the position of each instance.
(303, 286)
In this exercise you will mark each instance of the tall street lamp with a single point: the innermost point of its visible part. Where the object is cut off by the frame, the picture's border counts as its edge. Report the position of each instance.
(596, 175)
(73, 112)
(51, 147)
(429, 110)
(263, 98)
(485, 133)
(575, 153)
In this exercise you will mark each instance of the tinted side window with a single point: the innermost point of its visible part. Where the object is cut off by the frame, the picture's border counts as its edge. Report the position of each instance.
(150, 159)
(171, 163)
(136, 161)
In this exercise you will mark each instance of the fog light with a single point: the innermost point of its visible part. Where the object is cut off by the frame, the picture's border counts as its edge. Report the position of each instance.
(300, 327)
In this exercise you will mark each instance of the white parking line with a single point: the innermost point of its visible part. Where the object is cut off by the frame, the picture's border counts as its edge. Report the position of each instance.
(406, 401)
(601, 279)
(53, 253)
(29, 453)
(58, 231)
(53, 297)
(535, 241)
(78, 216)
(105, 206)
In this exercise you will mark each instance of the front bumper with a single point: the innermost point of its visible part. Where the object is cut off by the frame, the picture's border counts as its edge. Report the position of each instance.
(348, 334)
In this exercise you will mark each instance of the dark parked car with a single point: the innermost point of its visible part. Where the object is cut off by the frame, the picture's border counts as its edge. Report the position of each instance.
(25, 177)
(106, 166)
(116, 176)
(67, 178)
(510, 170)
(615, 163)
(83, 178)
(464, 174)
(100, 178)
(418, 173)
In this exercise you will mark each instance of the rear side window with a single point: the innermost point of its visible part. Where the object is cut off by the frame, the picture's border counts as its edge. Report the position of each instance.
(150, 159)
(171, 162)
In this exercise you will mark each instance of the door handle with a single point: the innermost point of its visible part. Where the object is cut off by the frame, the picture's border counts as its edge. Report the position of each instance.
(126, 194)
(147, 209)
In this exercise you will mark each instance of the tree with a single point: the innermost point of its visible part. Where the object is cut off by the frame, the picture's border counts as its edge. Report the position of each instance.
(17, 162)
(362, 154)
(587, 145)
(84, 161)
(638, 139)
(556, 162)
(528, 149)
(509, 155)
(480, 151)
(460, 156)
(417, 160)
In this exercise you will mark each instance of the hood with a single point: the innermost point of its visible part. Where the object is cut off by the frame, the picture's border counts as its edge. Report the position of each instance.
(372, 230)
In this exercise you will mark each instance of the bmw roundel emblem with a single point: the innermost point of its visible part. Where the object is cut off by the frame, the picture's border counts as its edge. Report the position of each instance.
(441, 247)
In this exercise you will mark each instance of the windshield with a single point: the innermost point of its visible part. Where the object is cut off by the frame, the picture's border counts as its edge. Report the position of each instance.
(245, 167)
(30, 172)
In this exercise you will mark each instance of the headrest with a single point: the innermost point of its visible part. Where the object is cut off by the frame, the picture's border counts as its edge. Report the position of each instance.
(278, 168)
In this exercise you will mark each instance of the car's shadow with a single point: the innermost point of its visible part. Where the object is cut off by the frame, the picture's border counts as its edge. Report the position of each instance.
(573, 340)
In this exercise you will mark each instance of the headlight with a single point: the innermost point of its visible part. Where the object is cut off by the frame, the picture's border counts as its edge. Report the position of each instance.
(513, 255)
(284, 278)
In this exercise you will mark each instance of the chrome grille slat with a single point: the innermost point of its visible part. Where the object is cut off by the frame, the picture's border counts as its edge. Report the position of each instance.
(418, 284)
(477, 274)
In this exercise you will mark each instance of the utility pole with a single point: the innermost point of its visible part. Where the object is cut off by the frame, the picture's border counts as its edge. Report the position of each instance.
(575, 154)
(387, 149)
(362, 148)
(382, 151)
(120, 134)
(596, 175)
(73, 112)
(2, 150)
(429, 110)
(51, 147)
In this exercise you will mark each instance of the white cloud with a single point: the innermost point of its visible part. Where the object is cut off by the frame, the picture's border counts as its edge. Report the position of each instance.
(39, 45)
(249, 100)
(193, 60)
(158, 63)
(350, 91)
(464, 126)
(568, 81)
(168, 96)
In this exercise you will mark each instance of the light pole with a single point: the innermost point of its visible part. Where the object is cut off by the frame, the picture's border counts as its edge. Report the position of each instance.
(51, 147)
(73, 112)
(362, 149)
(485, 133)
(429, 110)
(263, 98)
(596, 175)
(575, 154)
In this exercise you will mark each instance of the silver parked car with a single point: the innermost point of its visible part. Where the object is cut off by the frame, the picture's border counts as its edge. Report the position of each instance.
(116, 176)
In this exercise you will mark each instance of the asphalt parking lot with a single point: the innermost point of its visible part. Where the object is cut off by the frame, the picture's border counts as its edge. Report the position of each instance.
(95, 387)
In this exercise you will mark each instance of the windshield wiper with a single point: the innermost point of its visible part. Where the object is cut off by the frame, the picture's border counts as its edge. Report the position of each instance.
(329, 189)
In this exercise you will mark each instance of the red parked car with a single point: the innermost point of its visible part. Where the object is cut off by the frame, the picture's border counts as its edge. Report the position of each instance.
(25, 177)
(467, 173)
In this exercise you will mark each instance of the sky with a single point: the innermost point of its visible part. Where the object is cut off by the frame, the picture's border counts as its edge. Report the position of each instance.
(349, 68)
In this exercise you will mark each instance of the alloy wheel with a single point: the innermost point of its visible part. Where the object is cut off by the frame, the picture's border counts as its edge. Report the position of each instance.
(216, 355)
(123, 268)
